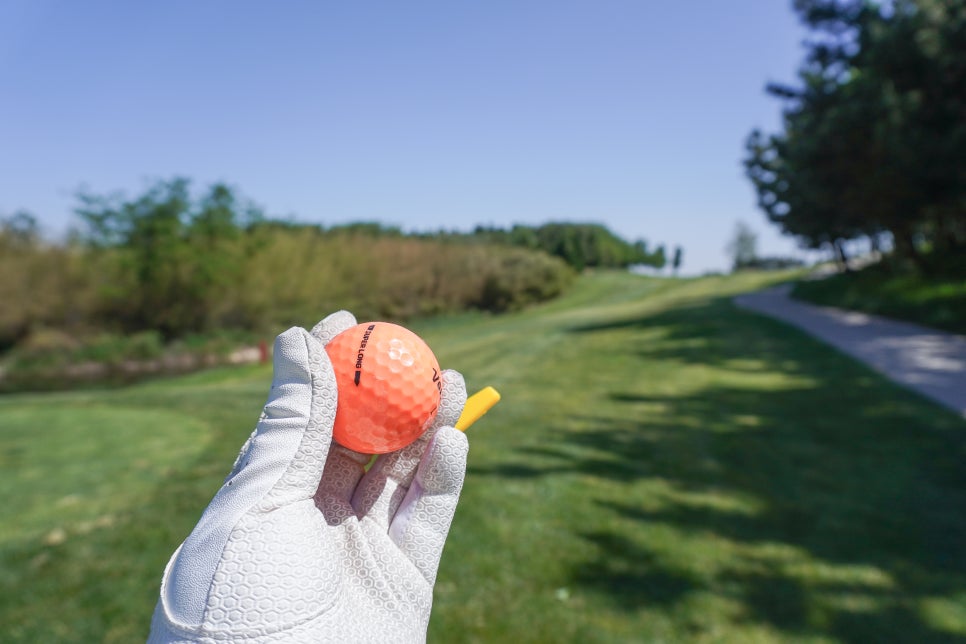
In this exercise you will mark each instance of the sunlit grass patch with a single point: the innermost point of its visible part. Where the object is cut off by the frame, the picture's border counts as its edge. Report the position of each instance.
(67, 468)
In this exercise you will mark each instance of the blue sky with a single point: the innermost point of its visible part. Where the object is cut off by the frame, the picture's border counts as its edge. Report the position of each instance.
(425, 115)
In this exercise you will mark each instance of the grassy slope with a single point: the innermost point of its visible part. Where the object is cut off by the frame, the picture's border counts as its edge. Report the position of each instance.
(934, 302)
(663, 467)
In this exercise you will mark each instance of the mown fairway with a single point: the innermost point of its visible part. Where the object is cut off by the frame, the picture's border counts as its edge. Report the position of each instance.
(663, 467)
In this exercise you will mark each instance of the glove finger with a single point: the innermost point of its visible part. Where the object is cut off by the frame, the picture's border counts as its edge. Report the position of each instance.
(303, 372)
(422, 522)
(452, 399)
(339, 480)
(344, 467)
(386, 483)
(282, 460)
(332, 325)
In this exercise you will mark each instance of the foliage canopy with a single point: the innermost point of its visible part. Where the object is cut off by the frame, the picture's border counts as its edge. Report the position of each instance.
(874, 136)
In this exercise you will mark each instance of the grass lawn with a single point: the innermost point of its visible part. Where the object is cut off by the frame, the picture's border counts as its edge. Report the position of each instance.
(663, 467)
(934, 302)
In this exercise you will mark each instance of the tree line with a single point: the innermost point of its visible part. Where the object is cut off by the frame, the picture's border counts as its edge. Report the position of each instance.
(580, 245)
(873, 143)
(168, 262)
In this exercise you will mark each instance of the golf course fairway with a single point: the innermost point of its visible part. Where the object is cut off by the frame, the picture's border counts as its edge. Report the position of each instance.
(663, 467)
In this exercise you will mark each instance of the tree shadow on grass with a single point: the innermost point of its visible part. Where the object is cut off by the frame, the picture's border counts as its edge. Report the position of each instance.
(846, 472)
(632, 574)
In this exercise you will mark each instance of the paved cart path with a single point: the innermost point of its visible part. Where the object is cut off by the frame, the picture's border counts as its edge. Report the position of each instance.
(929, 361)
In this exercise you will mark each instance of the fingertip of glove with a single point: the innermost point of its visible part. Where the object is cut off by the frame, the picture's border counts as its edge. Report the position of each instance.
(453, 437)
(290, 351)
(454, 378)
(452, 399)
(444, 469)
(299, 358)
(332, 325)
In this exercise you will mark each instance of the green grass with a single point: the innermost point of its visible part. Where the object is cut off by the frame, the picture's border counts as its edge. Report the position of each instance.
(663, 467)
(938, 302)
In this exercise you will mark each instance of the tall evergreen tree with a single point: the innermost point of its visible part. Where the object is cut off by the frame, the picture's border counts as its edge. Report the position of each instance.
(874, 136)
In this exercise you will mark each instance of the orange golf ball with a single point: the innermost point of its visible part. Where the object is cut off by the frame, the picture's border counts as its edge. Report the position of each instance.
(389, 387)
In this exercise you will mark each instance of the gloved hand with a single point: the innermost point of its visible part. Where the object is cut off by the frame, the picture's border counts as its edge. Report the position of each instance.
(301, 544)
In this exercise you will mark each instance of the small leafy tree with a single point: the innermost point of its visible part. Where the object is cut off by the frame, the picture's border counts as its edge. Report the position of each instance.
(743, 246)
(175, 261)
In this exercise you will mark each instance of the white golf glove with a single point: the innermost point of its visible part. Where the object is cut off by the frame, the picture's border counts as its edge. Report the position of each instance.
(301, 544)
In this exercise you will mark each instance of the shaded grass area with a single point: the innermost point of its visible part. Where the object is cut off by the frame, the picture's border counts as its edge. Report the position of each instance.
(938, 302)
(663, 466)
(699, 473)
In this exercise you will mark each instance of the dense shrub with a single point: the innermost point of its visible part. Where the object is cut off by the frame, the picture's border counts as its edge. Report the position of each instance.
(515, 278)
(580, 245)
(163, 283)
(43, 285)
(298, 274)
(180, 277)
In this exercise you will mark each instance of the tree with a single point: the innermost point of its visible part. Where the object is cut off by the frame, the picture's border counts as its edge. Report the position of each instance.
(874, 135)
(19, 229)
(743, 247)
(175, 260)
(677, 259)
(659, 258)
(580, 245)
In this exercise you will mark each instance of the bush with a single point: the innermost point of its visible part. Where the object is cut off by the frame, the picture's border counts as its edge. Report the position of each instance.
(43, 286)
(163, 267)
(579, 245)
(287, 276)
(298, 275)
(518, 278)
(50, 348)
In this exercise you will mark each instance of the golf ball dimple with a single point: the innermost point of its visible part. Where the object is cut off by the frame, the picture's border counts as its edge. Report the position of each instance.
(389, 387)
(399, 353)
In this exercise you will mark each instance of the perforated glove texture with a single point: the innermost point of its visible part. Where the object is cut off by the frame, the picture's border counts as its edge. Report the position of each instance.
(301, 543)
